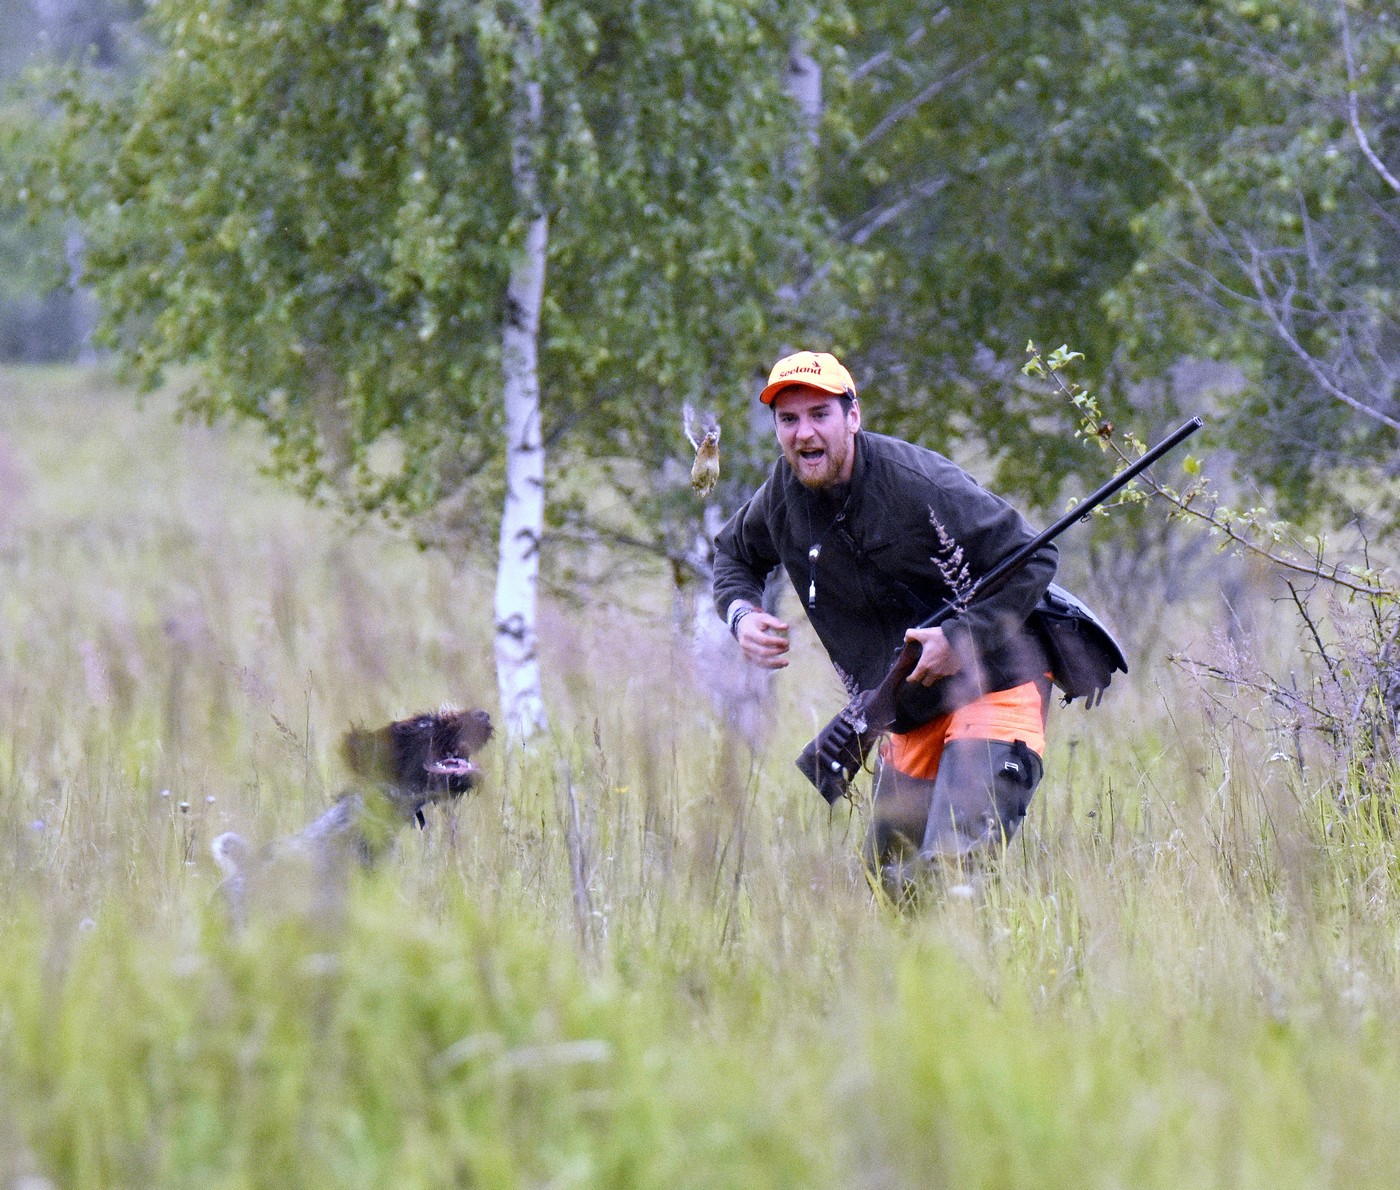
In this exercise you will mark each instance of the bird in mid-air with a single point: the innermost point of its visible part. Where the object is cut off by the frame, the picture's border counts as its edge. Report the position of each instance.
(703, 431)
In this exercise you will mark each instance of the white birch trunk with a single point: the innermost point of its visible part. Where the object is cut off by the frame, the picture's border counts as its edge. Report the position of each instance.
(803, 82)
(82, 302)
(522, 520)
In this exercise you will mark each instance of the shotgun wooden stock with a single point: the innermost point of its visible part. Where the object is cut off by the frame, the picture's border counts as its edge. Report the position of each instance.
(838, 752)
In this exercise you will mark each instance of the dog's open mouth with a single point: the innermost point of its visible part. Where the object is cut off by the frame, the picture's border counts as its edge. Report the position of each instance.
(451, 766)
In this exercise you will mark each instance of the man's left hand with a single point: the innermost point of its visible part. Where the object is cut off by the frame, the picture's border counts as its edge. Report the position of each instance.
(937, 659)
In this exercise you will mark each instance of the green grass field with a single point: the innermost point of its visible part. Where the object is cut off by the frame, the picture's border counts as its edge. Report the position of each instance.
(641, 955)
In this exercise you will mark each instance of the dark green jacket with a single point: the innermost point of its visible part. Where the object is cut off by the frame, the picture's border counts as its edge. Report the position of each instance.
(888, 551)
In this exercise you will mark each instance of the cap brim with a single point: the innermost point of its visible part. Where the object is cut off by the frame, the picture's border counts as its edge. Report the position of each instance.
(767, 395)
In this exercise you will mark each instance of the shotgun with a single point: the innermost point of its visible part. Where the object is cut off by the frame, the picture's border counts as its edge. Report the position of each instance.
(837, 752)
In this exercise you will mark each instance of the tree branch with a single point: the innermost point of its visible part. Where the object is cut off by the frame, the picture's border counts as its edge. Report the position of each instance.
(1256, 271)
(1269, 689)
(875, 61)
(910, 106)
(1223, 522)
(1309, 361)
(1353, 105)
(869, 223)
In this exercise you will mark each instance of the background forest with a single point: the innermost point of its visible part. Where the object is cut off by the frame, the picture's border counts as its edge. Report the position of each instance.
(347, 347)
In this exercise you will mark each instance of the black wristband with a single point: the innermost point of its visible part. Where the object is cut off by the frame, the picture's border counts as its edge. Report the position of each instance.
(736, 617)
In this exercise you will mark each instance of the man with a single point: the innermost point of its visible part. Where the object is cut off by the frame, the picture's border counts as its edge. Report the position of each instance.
(876, 535)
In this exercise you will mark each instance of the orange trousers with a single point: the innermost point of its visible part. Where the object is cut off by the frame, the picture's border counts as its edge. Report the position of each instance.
(1007, 715)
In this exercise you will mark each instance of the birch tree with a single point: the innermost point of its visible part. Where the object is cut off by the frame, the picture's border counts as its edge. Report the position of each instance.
(420, 243)
(522, 519)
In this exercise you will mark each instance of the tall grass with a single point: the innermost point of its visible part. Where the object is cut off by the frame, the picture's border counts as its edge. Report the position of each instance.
(642, 955)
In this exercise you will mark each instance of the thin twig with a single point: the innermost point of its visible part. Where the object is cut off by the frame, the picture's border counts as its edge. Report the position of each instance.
(1270, 689)
(910, 106)
(1185, 507)
(1312, 629)
(1353, 105)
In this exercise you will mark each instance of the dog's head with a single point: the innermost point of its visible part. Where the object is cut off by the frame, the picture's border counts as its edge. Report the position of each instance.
(425, 758)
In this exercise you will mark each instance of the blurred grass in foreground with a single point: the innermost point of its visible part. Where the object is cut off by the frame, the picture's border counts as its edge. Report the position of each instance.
(642, 955)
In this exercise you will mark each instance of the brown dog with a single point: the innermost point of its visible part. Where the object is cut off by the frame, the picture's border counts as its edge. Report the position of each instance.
(402, 769)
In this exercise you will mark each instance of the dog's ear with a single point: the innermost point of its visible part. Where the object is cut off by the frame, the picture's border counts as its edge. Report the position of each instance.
(368, 754)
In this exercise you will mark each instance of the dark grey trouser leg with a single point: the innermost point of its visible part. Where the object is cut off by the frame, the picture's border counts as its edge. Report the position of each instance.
(980, 797)
(899, 816)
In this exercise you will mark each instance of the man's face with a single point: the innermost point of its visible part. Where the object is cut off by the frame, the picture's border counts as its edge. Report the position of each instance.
(818, 437)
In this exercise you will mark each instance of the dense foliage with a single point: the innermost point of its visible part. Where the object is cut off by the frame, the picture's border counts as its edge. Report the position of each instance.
(314, 204)
(1151, 182)
(1277, 241)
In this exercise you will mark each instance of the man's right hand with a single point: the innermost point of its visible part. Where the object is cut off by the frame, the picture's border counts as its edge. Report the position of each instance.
(936, 656)
(763, 639)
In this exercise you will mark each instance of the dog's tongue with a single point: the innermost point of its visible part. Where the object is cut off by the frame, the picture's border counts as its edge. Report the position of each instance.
(450, 766)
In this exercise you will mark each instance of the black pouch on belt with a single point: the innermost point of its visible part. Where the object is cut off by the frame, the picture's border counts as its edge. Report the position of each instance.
(1083, 654)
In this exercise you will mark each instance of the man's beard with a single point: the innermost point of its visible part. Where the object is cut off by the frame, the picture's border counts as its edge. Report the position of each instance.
(814, 477)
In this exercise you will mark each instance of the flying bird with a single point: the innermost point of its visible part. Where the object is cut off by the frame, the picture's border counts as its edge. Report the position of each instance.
(702, 429)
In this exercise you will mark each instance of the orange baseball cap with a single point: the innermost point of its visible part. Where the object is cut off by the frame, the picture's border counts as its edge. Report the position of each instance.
(819, 369)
